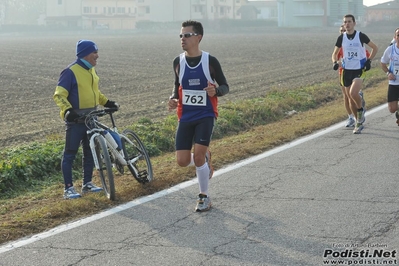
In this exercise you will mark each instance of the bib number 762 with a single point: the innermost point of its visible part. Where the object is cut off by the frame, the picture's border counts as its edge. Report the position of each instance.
(194, 97)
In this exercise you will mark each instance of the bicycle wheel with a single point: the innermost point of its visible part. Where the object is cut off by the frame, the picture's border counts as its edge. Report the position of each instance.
(136, 156)
(105, 170)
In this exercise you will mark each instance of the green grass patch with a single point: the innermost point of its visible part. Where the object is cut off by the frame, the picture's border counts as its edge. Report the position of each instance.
(33, 166)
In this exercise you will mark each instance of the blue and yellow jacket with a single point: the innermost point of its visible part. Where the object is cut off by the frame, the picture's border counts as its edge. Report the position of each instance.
(77, 88)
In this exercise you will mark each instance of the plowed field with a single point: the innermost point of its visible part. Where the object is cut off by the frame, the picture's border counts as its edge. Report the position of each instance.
(136, 71)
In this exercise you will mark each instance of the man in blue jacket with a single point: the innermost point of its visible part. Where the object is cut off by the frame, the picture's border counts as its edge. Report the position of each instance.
(77, 93)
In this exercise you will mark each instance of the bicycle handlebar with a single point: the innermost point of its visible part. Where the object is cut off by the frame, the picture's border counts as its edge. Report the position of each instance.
(89, 118)
(101, 112)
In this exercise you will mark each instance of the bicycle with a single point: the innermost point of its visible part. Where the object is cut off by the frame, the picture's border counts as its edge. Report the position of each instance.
(113, 149)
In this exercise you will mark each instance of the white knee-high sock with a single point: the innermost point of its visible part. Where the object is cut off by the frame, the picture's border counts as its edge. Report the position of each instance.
(203, 178)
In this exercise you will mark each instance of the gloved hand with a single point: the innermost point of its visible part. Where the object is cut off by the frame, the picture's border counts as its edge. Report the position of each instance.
(335, 65)
(71, 115)
(111, 104)
(367, 65)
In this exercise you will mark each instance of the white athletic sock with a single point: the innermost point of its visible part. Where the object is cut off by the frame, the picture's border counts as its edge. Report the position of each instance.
(203, 178)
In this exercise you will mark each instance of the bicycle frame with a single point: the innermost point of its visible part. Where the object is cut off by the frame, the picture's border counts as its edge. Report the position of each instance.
(130, 151)
(98, 130)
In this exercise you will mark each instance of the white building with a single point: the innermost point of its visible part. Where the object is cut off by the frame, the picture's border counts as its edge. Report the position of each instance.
(89, 14)
(124, 14)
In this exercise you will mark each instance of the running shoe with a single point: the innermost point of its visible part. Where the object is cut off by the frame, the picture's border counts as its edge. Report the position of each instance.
(90, 187)
(363, 101)
(208, 159)
(203, 203)
(397, 117)
(70, 193)
(358, 129)
(361, 116)
(350, 122)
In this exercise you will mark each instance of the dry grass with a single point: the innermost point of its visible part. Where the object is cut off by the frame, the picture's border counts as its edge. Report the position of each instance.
(136, 71)
(34, 213)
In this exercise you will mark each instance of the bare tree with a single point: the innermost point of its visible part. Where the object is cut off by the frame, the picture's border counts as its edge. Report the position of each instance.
(21, 11)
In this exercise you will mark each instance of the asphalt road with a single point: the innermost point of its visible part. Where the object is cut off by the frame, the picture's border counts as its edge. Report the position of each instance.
(326, 197)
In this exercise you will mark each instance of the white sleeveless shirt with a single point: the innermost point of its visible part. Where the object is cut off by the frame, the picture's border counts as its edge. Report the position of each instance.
(391, 57)
(354, 53)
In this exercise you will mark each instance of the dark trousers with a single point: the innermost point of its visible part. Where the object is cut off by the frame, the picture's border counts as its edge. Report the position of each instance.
(76, 136)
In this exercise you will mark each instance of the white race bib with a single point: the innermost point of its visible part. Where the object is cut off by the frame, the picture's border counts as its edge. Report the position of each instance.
(396, 68)
(194, 97)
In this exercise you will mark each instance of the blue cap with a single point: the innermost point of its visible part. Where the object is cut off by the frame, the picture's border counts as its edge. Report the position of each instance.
(85, 47)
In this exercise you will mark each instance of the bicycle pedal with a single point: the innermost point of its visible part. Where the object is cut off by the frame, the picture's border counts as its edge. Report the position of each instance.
(143, 177)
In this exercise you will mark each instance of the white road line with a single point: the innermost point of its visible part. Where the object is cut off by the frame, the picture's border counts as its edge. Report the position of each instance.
(66, 227)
